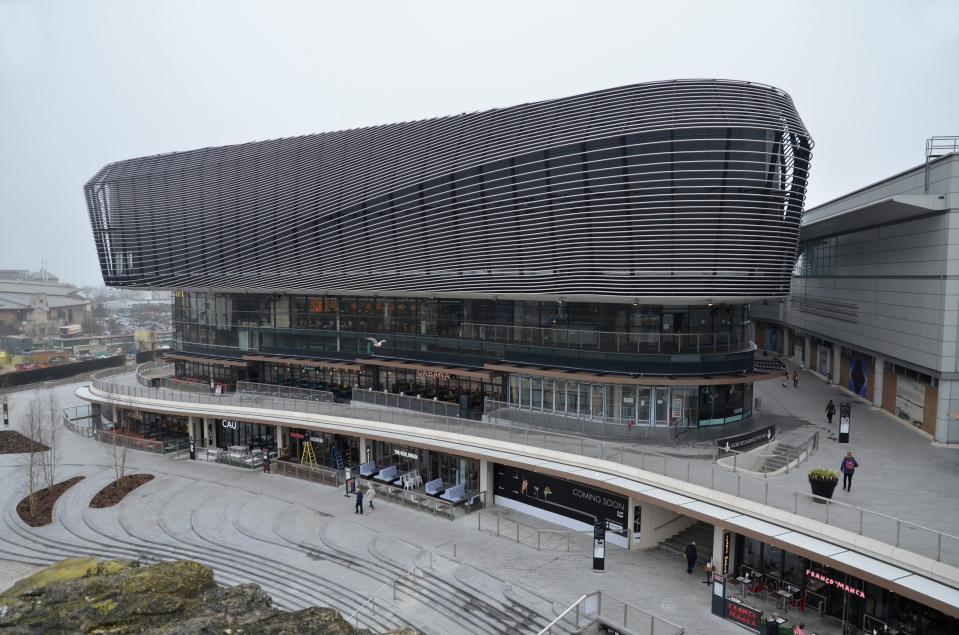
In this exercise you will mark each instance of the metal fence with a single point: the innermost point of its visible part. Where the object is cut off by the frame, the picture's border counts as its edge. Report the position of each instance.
(308, 473)
(904, 534)
(608, 341)
(571, 423)
(405, 402)
(80, 420)
(541, 539)
(136, 443)
(284, 392)
(597, 608)
(159, 374)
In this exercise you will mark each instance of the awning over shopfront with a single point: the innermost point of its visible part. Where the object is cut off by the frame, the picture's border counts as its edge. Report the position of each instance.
(200, 359)
(427, 369)
(330, 364)
(634, 380)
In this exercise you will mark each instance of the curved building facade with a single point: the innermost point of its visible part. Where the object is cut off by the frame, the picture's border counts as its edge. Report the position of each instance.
(591, 257)
(670, 192)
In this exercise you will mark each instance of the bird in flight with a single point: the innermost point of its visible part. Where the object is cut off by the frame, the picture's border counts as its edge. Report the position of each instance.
(376, 343)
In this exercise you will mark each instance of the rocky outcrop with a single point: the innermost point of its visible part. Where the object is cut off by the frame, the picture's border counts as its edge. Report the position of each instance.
(83, 595)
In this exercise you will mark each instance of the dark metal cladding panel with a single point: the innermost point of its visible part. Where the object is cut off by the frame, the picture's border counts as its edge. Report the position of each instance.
(674, 190)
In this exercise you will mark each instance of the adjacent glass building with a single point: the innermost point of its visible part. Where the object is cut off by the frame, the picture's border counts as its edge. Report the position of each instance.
(592, 256)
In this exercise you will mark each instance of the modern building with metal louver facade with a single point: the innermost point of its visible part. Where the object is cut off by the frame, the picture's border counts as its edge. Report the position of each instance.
(608, 242)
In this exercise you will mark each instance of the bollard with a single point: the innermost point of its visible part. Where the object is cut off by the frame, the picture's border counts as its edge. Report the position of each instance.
(454, 551)
(517, 533)
(860, 522)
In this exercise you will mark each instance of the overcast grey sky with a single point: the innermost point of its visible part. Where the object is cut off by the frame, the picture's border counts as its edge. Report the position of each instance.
(84, 83)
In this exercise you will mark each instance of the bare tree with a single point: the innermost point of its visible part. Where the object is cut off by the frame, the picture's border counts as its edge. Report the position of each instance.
(52, 421)
(32, 460)
(117, 452)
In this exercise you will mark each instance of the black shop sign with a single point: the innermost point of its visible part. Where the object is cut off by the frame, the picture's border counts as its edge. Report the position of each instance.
(566, 498)
(742, 442)
(743, 615)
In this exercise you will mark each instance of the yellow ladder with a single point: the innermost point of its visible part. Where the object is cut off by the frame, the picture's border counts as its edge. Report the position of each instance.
(308, 456)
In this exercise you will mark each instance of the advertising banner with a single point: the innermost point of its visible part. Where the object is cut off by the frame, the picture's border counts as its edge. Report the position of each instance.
(742, 442)
(559, 496)
(910, 400)
(822, 363)
(860, 367)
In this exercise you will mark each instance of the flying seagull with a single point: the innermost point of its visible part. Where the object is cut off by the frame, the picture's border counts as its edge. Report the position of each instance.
(376, 343)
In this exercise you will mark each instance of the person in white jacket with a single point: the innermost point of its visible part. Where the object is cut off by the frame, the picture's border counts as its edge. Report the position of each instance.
(370, 494)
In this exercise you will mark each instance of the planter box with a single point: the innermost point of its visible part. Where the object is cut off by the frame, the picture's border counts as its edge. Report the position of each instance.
(822, 488)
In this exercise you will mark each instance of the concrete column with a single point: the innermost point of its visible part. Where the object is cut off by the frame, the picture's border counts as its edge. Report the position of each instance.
(718, 548)
(363, 446)
(281, 439)
(878, 368)
(836, 369)
(630, 520)
(486, 479)
(787, 348)
(807, 352)
(947, 429)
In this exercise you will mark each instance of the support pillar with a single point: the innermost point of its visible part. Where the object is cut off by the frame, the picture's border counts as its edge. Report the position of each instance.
(281, 440)
(364, 445)
(630, 521)
(717, 561)
(807, 352)
(486, 477)
(836, 364)
(879, 365)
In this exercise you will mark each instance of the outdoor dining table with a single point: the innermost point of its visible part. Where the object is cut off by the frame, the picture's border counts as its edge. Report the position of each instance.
(786, 596)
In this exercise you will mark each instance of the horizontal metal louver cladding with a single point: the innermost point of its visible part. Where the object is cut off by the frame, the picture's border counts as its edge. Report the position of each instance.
(676, 190)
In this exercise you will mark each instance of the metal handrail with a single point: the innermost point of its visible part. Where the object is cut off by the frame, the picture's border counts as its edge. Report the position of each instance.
(736, 339)
(573, 606)
(371, 600)
(701, 474)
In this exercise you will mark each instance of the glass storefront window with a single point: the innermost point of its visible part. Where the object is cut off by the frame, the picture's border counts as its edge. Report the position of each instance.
(252, 435)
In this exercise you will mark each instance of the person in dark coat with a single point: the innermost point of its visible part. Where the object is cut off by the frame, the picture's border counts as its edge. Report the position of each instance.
(359, 501)
(691, 556)
(848, 467)
(830, 411)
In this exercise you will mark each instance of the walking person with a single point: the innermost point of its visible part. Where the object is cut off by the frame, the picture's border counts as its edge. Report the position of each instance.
(848, 467)
(830, 410)
(795, 379)
(691, 556)
(370, 495)
(800, 630)
(785, 378)
(359, 501)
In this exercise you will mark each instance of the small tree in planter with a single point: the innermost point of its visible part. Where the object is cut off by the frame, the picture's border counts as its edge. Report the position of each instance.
(823, 482)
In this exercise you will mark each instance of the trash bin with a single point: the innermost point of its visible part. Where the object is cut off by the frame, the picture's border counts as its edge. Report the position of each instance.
(759, 404)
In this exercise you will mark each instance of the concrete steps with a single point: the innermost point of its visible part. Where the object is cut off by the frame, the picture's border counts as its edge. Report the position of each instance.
(700, 533)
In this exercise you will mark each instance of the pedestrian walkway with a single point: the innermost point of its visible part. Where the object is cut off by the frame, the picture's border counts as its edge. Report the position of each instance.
(303, 543)
(901, 472)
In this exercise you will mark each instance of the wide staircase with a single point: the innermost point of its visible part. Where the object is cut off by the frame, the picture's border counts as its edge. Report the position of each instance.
(701, 533)
(782, 455)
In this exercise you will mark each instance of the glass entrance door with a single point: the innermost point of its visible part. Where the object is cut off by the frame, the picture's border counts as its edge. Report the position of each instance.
(661, 405)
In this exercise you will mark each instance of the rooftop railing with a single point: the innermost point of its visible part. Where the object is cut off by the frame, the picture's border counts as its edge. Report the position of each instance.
(734, 340)
(918, 539)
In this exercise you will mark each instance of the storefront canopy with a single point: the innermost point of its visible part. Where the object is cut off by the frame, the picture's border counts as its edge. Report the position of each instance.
(199, 359)
(453, 371)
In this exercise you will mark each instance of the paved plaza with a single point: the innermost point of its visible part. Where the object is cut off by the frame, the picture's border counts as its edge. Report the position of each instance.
(303, 543)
